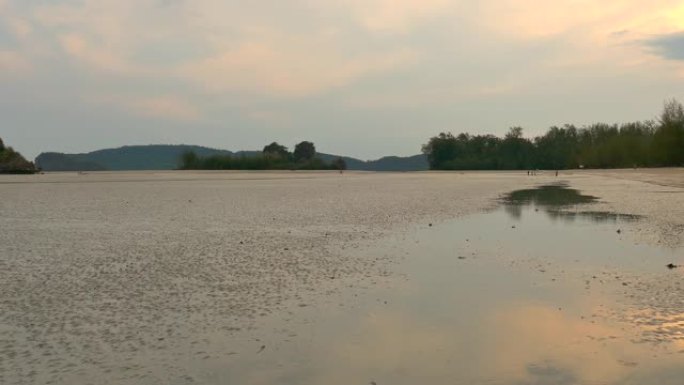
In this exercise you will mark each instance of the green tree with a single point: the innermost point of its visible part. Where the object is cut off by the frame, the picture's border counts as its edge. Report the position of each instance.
(441, 149)
(12, 161)
(557, 149)
(189, 161)
(668, 141)
(304, 151)
(270, 159)
(515, 151)
(673, 113)
(276, 150)
(339, 164)
(595, 146)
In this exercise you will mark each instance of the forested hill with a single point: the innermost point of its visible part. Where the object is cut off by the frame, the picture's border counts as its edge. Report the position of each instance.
(11, 162)
(167, 157)
(151, 157)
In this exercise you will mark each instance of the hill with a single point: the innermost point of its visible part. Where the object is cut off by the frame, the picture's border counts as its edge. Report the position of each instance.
(55, 161)
(166, 157)
(388, 163)
(151, 157)
(396, 163)
(11, 162)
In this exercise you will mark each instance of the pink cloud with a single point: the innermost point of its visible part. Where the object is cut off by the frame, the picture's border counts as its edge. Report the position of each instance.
(290, 67)
(167, 107)
(20, 28)
(396, 16)
(13, 63)
(97, 57)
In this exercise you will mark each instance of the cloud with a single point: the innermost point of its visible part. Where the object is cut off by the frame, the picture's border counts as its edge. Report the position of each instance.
(313, 47)
(94, 56)
(244, 50)
(669, 46)
(165, 107)
(12, 63)
(290, 67)
(604, 35)
(531, 19)
(73, 44)
(396, 16)
(20, 28)
(375, 63)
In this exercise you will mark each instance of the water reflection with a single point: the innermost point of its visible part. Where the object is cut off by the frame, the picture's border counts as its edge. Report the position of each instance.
(484, 302)
(557, 201)
(554, 195)
(500, 341)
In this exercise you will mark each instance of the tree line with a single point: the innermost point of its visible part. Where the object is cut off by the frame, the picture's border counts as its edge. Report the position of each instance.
(273, 157)
(657, 143)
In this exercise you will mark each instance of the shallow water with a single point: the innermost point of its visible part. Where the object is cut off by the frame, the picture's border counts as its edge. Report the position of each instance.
(525, 294)
(558, 200)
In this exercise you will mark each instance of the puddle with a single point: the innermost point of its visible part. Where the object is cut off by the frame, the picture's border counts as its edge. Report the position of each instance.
(559, 202)
(509, 297)
(548, 196)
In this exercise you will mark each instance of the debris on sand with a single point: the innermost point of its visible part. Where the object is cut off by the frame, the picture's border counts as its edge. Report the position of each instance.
(672, 266)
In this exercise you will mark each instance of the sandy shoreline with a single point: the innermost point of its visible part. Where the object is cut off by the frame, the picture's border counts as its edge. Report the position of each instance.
(97, 270)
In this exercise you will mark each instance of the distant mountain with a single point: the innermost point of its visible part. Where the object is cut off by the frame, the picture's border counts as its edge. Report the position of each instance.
(389, 163)
(55, 161)
(166, 157)
(396, 163)
(151, 157)
(352, 163)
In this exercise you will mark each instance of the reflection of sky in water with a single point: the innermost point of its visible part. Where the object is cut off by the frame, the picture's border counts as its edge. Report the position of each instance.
(514, 309)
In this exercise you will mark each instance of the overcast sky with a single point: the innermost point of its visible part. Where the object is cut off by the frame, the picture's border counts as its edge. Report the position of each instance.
(363, 78)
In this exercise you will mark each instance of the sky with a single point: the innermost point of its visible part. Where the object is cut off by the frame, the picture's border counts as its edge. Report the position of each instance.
(363, 78)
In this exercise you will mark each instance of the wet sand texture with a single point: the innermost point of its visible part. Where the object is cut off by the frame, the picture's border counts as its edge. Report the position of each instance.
(113, 277)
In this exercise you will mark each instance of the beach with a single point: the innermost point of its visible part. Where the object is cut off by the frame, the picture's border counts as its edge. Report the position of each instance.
(140, 277)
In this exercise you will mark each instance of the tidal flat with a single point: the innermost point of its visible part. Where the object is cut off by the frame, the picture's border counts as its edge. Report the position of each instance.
(354, 278)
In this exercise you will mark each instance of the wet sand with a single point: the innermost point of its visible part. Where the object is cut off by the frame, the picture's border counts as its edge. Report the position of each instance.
(145, 277)
(657, 194)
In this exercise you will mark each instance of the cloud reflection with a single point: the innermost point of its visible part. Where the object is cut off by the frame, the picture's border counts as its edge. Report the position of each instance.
(512, 344)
